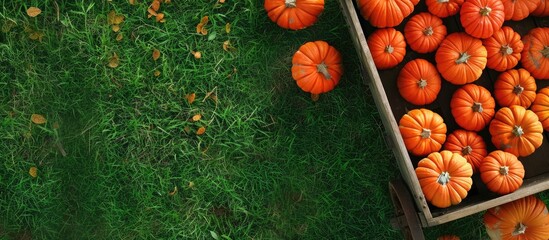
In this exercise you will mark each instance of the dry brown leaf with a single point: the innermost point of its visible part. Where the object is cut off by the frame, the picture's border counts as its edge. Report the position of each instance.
(155, 5)
(196, 54)
(228, 28)
(200, 27)
(200, 131)
(37, 35)
(197, 117)
(114, 61)
(173, 192)
(119, 37)
(115, 28)
(132, 2)
(33, 11)
(156, 54)
(156, 73)
(33, 171)
(160, 17)
(190, 97)
(118, 19)
(38, 119)
(110, 17)
(315, 97)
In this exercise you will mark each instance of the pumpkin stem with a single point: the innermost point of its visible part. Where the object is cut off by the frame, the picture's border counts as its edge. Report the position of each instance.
(545, 51)
(517, 131)
(466, 150)
(518, 89)
(422, 83)
(323, 68)
(443, 1)
(425, 133)
(485, 11)
(291, 3)
(519, 229)
(389, 49)
(443, 178)
(428, 31)
(477, 107)
(504, 170)
(506, 50)
(463, 57)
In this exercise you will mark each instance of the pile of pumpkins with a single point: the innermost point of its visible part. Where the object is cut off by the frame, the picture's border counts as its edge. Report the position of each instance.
(449, 161)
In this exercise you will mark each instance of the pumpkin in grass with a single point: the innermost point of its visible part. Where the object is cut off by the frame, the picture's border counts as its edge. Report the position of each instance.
(418, 82)
(542, 10)
(294, 14)
(516, 130)
(541, 107)
(387, 47)
(517, 10)
(504, 49)
(468, 144)
(501, 172)
(515, 87)
(445, 178)
(473, 107)
(525, 218)
(443, 8)
(535, 55)
(424, 32)
(423, 131)
(385, 13)
(317, 67)
(482, 18)
(461, 58)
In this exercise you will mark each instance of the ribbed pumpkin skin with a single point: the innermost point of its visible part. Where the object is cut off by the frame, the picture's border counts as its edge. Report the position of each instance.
(317, 67)
(517, 10)
(445, 178)
(542, 10)
(468, 144)
(504, 49)
(473, 107)
(418, 82)
(505, 221)
(424, 32)
(541, 107)
(481, 25)
(423, 131)
(461, 58)
(387, 47)
(448, 237)
(515, 87)
(385, 13)
(443, 8)
(501, 172)
(516, 130)
(304, 14)
(535, 55)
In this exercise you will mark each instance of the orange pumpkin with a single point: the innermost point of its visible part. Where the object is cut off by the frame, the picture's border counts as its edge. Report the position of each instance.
(444, 8)
(424, 32)
(482, 18)
(535, 55)
(445, 178)
(387, 47)
(468, 144)
(473, 107)
(423, 131)
(541, 107)
(418, 82)
(317, 67)
(516, 130)
(503, 48)
(517, 10)
(515, 87)
(448, 237)
(461, 58)
(501, 172)
(385, 13)
(294, 14)
(525, 218)
(542, 10)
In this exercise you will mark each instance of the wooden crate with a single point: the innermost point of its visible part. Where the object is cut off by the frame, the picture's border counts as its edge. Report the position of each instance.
(392, 107)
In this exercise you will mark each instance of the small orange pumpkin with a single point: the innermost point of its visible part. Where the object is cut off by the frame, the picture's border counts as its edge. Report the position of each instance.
(294, 14)
(444, 8)
(445, 178)
(473, 107)
(461, 58)
(515, 87)
(469, 144)
(525, 218)
(503, 48)
(541, 107)
(517, 10)
(535, 55)
(542, 10)
(317, 67)
(424, 32)
(387, 47)
(423, 131)
(482, 18)
(516, 130)
(418, 82)
(385, 13)
(501, 172)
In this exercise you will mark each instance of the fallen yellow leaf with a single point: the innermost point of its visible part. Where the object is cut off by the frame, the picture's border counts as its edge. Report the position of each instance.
(33, 171)
(221, 1)
(132, 2)
(114, 61)
(160, 17)
(151, 13)
(155, 5)
(156, 54)
(119, 37)
(115, 28)
(200, 131)
(33, 11)
(36, 35)
(200, 27)
(227, 45)
(190, 97)
(173, 192)
(156, 73)
(196, 54)
(118, 19)
(38, 119)
(228, 28)
(110, 17)
(191, 184)
(197, 117)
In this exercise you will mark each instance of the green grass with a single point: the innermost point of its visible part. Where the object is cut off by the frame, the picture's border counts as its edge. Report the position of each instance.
(272, 164)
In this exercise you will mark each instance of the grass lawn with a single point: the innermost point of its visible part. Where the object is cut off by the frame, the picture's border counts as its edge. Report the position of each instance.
(119, 156)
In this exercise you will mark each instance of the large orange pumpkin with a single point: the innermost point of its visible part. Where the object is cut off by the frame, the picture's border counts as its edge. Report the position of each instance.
(424, 32)
(541, 107)
(469, 144)
(461, 58)
(387, 47)
(482, 18)
(294, 14)
(317, 67)
(542, 10)
(445, 178)
(444, 8)
(517, 10)
(526, 218)
(504, 48)
(385, 13)
(423, 131)
(473, 107)
(418, 82)
(516, 130)
(535, 55)
(515, 87)
(501, 172)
